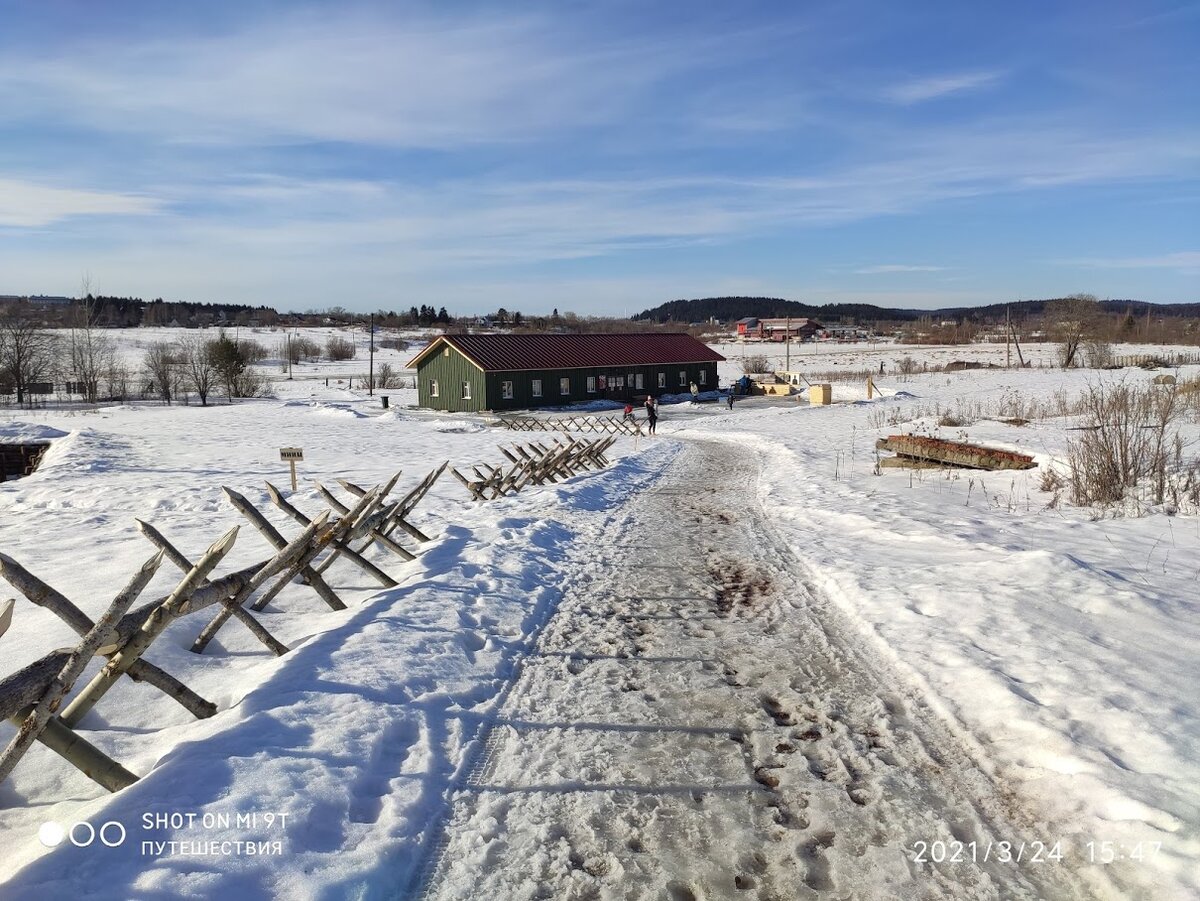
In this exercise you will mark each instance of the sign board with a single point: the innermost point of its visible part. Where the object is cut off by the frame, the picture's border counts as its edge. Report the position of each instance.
(291, 453)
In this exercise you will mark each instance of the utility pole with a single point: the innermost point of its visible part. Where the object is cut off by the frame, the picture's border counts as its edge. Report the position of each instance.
(289, 354)
(371, 383)
(787, 337)
(1008, 337)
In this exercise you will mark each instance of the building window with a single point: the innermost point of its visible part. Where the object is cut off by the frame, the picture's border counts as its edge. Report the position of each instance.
(641, 381)
(564, 386)
(433, 388)
(618, 381)
(536, 388)
(662, 380)
(466, 390)
(591, 384)
(703, 376)
(683, 378)
(506, 390)
(629, 382)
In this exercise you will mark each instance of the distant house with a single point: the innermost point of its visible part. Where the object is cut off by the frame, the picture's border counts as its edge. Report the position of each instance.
(796, 328)
(470, 373)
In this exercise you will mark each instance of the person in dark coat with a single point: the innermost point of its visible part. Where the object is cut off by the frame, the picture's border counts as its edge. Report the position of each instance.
(651, 414)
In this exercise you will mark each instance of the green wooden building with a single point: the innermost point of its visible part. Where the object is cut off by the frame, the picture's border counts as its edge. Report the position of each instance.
(471, 373)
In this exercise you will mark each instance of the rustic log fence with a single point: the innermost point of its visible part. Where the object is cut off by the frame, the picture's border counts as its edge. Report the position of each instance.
(32, 697)
(621, 425)
(536, 464)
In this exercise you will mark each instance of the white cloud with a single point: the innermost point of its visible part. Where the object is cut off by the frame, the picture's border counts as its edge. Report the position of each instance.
(896, 267)
(1184, 261)
(352, 78)
(935, 87)
(25, 204)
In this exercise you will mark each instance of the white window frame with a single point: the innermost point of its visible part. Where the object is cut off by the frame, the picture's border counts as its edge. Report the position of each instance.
(703, 376)
(433, 388)
(683, 382)
(564, 382)
(641, 381)
(506, 390)
(662, 380)
(618, 381)
(535, 387)
(591, 384)
(466, 391)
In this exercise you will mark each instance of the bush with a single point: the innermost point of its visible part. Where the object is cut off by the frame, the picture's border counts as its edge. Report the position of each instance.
(339, 349)
(756, 364)
(1128, 442)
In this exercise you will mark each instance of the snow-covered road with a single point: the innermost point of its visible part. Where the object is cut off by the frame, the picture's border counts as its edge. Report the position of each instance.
(697, 721)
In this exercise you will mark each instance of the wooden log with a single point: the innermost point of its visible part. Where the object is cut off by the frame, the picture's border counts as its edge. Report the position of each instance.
(956, 453)
(23, 688)
(39, 714)
(83, 755)
(311, 577)
(38, 592)
(346, 551)
(232, 605)
(155, 623)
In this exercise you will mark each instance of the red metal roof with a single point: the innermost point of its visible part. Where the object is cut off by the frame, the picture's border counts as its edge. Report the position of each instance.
(515, 353)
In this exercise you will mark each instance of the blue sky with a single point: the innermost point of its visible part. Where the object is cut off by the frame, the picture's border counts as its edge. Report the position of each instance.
(600, 158)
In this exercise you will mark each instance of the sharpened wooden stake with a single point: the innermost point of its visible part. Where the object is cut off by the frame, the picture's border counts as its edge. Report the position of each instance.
(155, 623)
(268, 531)
(38, 592)
(348, 552)
(35, 722)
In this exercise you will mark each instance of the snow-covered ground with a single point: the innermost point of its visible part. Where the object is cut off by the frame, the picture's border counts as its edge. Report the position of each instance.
(1055, 649)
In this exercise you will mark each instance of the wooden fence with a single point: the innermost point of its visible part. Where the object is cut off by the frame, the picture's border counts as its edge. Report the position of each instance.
(621, 425)
(536, 464)
(33, 698)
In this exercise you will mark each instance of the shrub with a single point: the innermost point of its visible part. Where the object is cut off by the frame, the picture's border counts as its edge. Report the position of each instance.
(339, 349)
(756, 364)
(1127, 442)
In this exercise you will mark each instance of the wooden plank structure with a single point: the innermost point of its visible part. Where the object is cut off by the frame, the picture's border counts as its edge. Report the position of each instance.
(22, 459)
(623, 425)
(536, 464)
(31, 697)
(921, 451)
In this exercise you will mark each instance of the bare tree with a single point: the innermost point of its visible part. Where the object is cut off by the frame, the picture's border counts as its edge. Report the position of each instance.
(1071, 322)
(161, 366)
(91, 352)
(27, 351)
(196, 366)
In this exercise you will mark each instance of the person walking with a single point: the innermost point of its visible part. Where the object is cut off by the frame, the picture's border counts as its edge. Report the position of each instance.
(695, 393)
(730, 398)
(651, 414)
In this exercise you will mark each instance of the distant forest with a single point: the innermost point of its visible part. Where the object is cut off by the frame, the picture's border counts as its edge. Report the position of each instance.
(729, 309)
(131, 312)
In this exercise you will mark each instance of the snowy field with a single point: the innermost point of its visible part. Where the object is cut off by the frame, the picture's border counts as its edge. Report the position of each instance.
(1049, 652)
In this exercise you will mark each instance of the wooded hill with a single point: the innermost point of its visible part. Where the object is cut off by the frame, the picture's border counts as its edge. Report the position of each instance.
(728, 309)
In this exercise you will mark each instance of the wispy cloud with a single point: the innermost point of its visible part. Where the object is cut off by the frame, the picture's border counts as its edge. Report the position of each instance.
(25, 204)
(896, 267)
(1186, 262)
(937, 86)
(426, 83)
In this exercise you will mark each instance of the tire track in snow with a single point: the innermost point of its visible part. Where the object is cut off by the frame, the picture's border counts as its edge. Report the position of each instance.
(702, 724)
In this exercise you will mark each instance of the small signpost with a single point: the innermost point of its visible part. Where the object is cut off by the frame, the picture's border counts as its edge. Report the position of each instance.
(291, 455)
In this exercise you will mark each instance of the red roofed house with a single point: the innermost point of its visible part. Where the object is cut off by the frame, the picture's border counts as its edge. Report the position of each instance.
(470, 373)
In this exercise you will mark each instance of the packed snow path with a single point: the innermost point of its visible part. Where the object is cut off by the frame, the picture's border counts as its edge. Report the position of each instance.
(696, 721)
